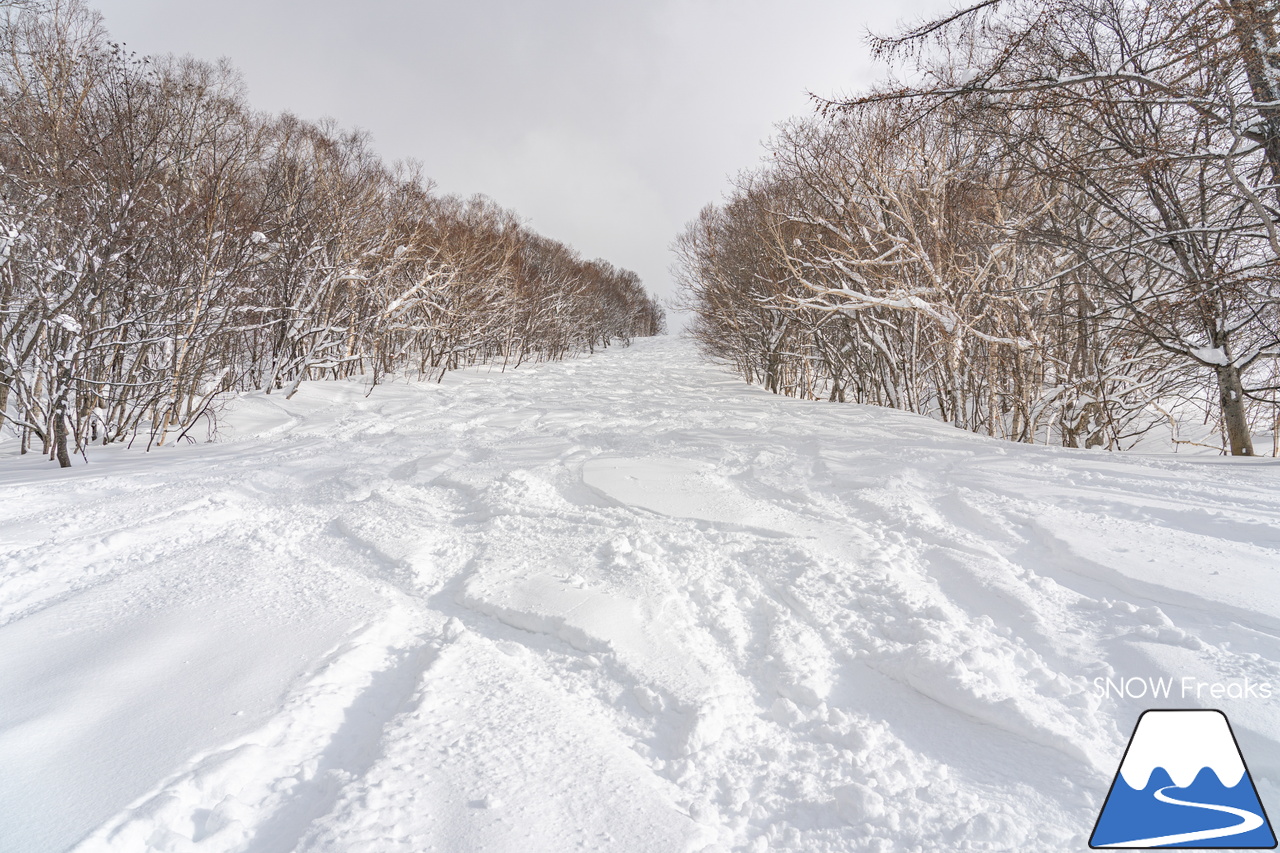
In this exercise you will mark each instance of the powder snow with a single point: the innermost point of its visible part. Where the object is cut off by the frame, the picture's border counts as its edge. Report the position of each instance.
(620, 603)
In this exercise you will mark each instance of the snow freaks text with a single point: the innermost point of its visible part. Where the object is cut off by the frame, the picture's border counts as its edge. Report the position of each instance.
(1187, 687)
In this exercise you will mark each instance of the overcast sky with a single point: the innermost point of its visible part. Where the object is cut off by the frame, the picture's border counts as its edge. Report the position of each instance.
(605, 125)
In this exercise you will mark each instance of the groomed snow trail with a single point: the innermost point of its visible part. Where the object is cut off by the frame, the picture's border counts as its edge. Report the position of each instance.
(624, 603)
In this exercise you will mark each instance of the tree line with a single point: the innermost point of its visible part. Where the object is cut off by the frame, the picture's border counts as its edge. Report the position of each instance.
(1059, 223)
(163, 244)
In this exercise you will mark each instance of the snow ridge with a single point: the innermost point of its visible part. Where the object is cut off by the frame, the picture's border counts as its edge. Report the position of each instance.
(623, 603)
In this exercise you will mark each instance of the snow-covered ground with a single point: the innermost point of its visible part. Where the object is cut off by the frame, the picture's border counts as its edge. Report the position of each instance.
(623, 603)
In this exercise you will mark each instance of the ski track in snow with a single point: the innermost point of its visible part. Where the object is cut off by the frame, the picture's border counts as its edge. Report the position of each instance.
(622, 603)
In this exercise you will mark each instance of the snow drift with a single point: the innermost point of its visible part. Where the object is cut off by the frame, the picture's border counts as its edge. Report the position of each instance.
(622, 603)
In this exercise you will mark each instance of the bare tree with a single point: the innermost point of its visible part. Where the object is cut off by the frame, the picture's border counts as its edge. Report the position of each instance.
(1159, 116)
(161, 244)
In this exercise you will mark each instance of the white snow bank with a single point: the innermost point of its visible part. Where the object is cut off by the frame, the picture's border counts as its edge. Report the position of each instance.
(623, 603)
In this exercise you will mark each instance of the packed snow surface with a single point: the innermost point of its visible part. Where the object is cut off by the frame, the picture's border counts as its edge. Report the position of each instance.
(622, 603)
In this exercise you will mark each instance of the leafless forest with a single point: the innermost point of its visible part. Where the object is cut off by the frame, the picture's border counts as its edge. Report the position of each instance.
(1057, 223)
(161, 244)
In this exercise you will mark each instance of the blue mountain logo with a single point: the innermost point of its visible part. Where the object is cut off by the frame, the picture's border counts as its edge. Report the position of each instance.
(1183, 783)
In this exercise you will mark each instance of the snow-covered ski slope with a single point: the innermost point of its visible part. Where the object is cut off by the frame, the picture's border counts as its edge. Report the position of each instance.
(623, 603)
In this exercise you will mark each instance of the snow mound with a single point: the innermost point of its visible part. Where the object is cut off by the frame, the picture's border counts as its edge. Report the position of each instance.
(624, 603)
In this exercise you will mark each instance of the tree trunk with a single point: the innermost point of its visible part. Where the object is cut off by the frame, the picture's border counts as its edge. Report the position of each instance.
(1231, 395)
(1254, 25)
(60, 437)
